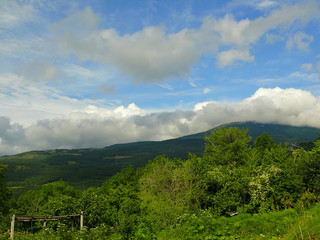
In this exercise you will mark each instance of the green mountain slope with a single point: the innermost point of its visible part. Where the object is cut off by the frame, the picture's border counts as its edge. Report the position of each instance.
(91, 167)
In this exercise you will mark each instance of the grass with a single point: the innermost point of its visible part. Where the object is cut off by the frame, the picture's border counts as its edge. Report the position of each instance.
(286, 225)
(291, 224)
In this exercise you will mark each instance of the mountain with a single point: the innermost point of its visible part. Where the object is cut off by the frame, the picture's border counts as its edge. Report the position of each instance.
(91, 167)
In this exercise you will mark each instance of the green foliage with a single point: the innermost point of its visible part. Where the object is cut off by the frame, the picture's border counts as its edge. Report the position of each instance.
(234, 191)
(261, 188)
(308, 167)
(5, 197)
(4, 192)
(83, 168)
(230, 190)
(162, 199)
(227, 145)
(115, 204)
(57, 198)
(264, 142)
(287, 224)
(316, 148)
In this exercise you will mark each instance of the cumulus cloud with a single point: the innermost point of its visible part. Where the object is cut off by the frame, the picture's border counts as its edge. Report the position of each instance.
(98, 127)
(147, 56)
(286, 106)
(153, 55)
(226, 58)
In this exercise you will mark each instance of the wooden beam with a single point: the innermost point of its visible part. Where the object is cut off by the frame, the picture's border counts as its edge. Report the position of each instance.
(12, 226)
(43, 218)
(81, 220)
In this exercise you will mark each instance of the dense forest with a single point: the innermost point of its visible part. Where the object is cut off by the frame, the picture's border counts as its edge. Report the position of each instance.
(235, 190)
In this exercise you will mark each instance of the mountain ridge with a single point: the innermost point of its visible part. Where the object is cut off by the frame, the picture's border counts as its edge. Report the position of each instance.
(87, 167)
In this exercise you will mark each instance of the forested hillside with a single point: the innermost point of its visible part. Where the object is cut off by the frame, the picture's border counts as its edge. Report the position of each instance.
(232, 191)
(83, 168)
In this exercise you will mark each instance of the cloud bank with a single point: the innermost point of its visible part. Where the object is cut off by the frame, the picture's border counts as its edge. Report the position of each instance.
(98, 127)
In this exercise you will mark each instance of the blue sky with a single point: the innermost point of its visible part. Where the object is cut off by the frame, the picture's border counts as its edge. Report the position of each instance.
(94, 73)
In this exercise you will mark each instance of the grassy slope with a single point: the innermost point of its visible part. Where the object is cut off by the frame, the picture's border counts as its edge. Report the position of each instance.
(91, 167)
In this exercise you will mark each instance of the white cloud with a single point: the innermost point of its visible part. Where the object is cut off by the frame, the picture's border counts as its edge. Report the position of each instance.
(206, 90)
(286, 106)
(93, 112)
(232, 31)
(147, 56)
(13, 14)
(318, 66)
(97, 127)
(307, 67)
(226, 58)
(266, 4)
(192, 82)
(247, 31)
(164, 85)
(24, 48)
(153, 55)
(79, 23)
(16, 40)
(306, 77)
(262, 5)
(77, 71)
(26, 102)
(301, 41)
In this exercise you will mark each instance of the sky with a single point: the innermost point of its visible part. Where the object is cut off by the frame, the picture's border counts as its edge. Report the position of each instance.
(82, 74)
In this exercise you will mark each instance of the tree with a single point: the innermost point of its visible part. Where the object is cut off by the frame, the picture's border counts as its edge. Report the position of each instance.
(169, 188)
(5, 194)
(275, 182)
(264, 142)
(309, 167)
(114, 204)
(227, 145)
(52, 198)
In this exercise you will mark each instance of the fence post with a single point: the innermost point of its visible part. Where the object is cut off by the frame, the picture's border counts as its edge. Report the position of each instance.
(81, 220)
(12, 226)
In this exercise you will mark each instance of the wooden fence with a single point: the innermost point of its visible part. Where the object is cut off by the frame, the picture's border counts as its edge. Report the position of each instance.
(44, 219)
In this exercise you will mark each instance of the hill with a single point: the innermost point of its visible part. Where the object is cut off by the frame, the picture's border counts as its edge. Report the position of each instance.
(91, 167)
